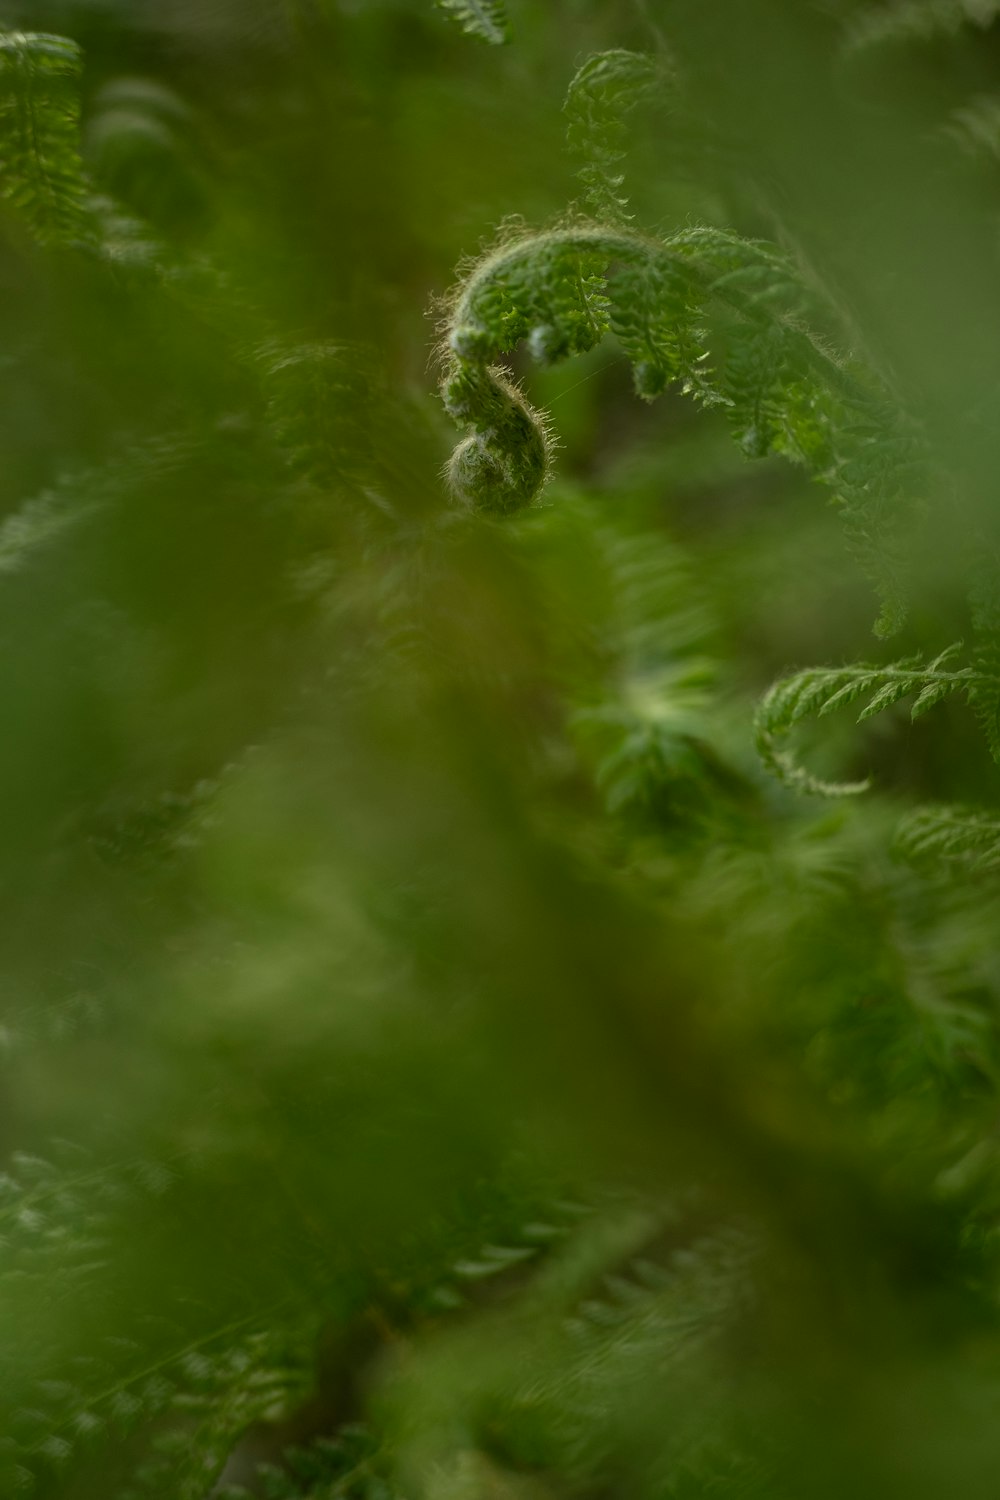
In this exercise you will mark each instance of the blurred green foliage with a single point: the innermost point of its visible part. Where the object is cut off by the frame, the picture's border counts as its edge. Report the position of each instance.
(439, 1058)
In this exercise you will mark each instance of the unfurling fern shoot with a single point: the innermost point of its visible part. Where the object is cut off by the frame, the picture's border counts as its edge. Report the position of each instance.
(728, 320)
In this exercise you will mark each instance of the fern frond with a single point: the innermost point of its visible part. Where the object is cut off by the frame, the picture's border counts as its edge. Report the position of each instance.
(218, 1396)
(915, 21)
(40, 171)
(486, 19)
(820, 690)
(984, 606)
(191, 1392)
(349, 1466)
(726, 319)
(317, 395)
(659, 321)
(967, 836)
(570, 1354)
(601, 95)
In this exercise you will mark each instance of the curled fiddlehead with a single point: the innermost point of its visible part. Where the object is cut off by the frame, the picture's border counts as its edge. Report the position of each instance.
(504, 462)
(725, 318)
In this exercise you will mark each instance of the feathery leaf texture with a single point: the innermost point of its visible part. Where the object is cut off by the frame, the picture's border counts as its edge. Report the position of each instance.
(594, 1314)
(486, 19)
(984, 608)
(628, 1287)
(309, 389)
(907, 21)
(965, 836)
(727, 319)
(820, 690)
(601, 95)
(40, 170)
(349, 1466)
(59, 1218)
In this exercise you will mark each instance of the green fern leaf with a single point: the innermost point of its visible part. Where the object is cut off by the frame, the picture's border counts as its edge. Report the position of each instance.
(966, 836)
(908, 21)
(984, 606)
(486, 19)
(40, 170)
(547, 288)
(601, 95)
(726, 319)
(821, 690)
(888, 694)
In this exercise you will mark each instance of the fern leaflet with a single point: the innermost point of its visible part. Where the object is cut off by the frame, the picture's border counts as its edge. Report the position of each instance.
(725, 318)
(916, 21)
(967, 836)
(602, 93)
(486, 19)
(40, 169)
(820, 690)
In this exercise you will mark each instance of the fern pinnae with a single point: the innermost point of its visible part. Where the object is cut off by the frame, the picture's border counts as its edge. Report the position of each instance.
(561, 289)
(605, 89)
(907, 21)
(960, 836)
(984, 607)
(819, 691)
(485, 19)
(41, 174)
